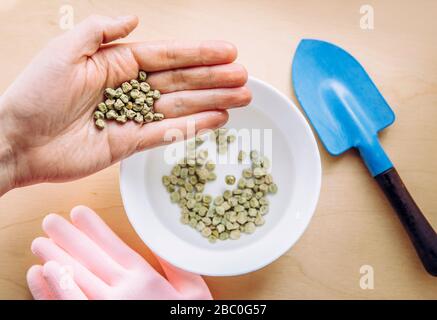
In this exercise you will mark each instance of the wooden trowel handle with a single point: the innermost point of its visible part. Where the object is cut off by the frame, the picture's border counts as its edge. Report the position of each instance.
(421, 233)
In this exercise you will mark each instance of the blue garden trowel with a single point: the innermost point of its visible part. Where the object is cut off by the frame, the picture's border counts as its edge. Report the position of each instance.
(347, 111)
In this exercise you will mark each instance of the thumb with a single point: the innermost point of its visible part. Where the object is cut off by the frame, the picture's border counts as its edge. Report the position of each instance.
(190, 285)
(87, 37)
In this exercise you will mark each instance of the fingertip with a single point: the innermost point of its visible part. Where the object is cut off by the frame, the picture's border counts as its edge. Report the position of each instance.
(218, 52)
(50, 268)
(33, 273)
(224, 117)
(130, 22)
(37, 284)
(36, 244)
(131, 19)
(241, 73)
(49, 221)
(79, 212)
(217, 118)
(231, 49)
(246, 95)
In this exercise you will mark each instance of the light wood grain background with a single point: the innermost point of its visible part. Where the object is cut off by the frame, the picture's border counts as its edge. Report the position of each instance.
(353, 224)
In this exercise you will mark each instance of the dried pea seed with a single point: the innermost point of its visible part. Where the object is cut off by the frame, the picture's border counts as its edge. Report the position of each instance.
(210, 165)
(259, 220)
(241, 183)
(191, 203)
(249, 227)
(200, 226)
(140, 102)
(230, 179)
(198, 197)
(242, 217)
(221, 228)
(158, 116)
(254, 203)
(150, 102)
(134, 94)
(216, 220)
(227, 194)
(226, 206)
(241, 155)
(100, 123)
(252, 212)
(149, 117)
(121, 119)
(175, 197)
(263, 201)
(207, 221)
(130, 114)
(263, 188)
(193, 222)
(254, 155)
(142, 75)
(220, 210)
(165, 180)
(102, 107)
(185, 219)
(118, 105)
(134, 83)
(206, 232)
(199, 140)
(273, 188)
(99, 115)
(235, 234)
(156, 94)
(110, 103)
(263, 209)
(218, 200)
(222, 149)
(139, 118)
(237, 192)
(224, 236)
(247, 173)
(126, 87)
(144, 87)
(118, 93)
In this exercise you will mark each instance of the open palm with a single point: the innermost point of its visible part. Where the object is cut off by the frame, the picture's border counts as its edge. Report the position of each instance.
(47, 111)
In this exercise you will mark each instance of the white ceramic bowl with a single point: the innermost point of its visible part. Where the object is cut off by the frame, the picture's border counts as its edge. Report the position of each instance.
(295, 167)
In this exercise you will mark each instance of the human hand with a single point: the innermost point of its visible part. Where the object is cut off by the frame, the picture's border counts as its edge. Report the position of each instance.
(101, 265)
(46, 131)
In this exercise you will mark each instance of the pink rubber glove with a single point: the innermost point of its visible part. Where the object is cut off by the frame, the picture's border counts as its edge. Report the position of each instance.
(87, 260)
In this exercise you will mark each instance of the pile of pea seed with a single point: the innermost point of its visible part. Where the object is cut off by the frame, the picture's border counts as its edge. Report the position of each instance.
(238, 210)
(133, 100)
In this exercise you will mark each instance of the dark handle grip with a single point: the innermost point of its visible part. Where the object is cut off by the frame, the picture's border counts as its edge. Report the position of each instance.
(421, 233)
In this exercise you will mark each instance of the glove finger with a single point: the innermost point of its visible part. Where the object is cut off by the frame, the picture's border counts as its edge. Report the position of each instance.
(190, 285)
(82, 248)
(37, 284)
(87, 221)
(61, 283)
(91, 285)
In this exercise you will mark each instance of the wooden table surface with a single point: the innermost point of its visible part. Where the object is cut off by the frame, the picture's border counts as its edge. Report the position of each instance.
(353, 225)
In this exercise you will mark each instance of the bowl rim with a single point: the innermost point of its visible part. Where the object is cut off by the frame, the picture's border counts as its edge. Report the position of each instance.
(311, 208)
